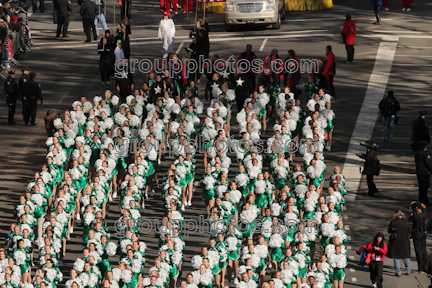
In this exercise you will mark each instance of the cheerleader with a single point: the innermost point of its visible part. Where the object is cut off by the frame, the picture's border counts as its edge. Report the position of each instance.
(276, 245)
(208, 195)
(338, 262)
(263, 196)
(233, 241)
(303, 260)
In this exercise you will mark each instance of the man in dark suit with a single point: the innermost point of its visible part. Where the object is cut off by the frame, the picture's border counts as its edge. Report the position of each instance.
(420, 131)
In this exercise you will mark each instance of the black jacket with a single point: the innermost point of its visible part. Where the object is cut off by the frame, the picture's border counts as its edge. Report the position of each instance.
(63, 5)
(423, 162)
(389, 106)
(420, 131)
(371, 166)
(418, 221)
(104, 51)
(88, 9)
(242, 86)
(399, 248)
(32, 90)
(11, 89)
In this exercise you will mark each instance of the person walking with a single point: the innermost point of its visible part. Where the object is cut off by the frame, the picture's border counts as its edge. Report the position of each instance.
(389, 107)
(399, 244)
(420, 131)
(349, 32)
(385, 5)
(247, 57)
(166, 33)
(418, 220)
(100, 5)
(12, 93)
(406, 5)
(25, 102)
(376, 251)
(64, 7)
(330, 70)
(371, 168)
(88, 14)
(376, 4)
(423, 170)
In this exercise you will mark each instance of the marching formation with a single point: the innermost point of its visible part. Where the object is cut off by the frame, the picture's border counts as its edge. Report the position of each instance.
(274, 222)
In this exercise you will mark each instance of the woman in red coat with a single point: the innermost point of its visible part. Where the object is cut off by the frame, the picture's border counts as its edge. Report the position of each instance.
(376, 251)
(348, 34)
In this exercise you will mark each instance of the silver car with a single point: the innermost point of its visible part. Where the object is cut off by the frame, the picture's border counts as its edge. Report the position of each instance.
(254, 12)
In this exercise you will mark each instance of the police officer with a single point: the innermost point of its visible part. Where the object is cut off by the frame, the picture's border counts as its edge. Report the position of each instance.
(24, 79)
(420, 131)
(423, 170)
(63, 7)
(12, 92)
(32, 92)
(418, 220)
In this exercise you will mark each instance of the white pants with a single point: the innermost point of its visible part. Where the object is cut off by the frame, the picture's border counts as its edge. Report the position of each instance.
(168, 45)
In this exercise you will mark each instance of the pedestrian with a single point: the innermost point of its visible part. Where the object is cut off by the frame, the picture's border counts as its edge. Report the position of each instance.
(203, 51)
(330, 70)
(64, 7)
(105, 60)
(26, 102)
(204, 24)
(193, 50)
(88, 14)
(428, 267)
(399, 243)
(385, 5)
(248, 57)
(420, 131)
(348, 34)
(12, 93)
(376, 251)
(125, 8)
(100, 5)
(32, 92)
(291, 58)
(41, 5)
(371, 168)
(418, 221)
(406, 5)
(376, 4)
(166, 33)
(49, 122)
(423, 171)
(123, 34)
(187, 6)
(389, 107)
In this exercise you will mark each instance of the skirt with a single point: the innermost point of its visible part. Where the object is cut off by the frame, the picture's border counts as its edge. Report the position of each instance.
(338, 274)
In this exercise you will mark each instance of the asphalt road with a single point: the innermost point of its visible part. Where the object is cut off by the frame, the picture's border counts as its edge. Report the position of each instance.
(68, 69)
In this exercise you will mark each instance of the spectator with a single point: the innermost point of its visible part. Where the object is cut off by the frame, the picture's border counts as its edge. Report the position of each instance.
(388, 107)
(348, 34)
(385, 5)
(100, 5)
(105, 60)
(376, 249)
(376, 4)
(420, 131)
(399, 244)
(406, 5)
(123, 34)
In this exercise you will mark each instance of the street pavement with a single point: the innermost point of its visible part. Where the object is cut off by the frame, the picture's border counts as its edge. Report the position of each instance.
(68, 69)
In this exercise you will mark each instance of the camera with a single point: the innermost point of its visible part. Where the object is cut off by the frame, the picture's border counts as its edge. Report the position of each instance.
(369, 145)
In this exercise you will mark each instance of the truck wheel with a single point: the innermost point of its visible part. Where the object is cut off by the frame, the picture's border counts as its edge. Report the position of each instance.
(277, 24)
(229, 28)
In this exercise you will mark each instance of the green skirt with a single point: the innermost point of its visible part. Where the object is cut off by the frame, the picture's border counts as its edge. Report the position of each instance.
(276, 254)
(234, 255)
(302, 272)
(208, 194)
(262, 266)
(338, 274)
(272, 101)
(261, 200)
(189, 177)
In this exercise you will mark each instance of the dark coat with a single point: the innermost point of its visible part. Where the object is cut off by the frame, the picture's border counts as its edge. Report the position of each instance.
(400, 247)
(420, 131)
(389, 106)
(88, 10)
(423, 162)
(370, 166)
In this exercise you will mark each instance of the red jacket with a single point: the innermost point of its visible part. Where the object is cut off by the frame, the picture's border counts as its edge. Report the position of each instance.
(349, 32)
(373, 254)
(329, 66)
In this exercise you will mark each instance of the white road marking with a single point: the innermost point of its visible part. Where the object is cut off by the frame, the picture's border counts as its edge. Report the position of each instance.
(349, 247)
(179, 48)
(349, 238)
(347, 227)
(351, 257)
(345, 217)
(263, 44)
(64, 95)
(352, 270)
(354, 279)
(414, 56)
(367, 117)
